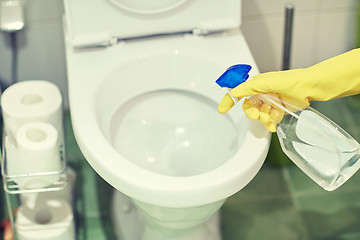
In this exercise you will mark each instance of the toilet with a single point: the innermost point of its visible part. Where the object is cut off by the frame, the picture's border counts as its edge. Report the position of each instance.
(143, 102)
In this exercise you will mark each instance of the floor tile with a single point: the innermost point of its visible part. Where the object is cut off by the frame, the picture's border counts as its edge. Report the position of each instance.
(73, 153)
(270, 219)
(301, 184)
(331, 215)
(263, 210)
(345, 112)
(94, 230)
(268, 183)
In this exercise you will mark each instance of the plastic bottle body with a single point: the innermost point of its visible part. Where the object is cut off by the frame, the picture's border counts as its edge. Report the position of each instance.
(319, 147)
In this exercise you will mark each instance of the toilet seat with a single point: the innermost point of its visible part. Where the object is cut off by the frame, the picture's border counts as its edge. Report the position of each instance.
(91, 74)
(103, 22)
(140, 7)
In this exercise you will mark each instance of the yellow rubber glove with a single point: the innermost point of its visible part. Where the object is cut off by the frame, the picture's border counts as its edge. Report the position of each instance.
(333, 78)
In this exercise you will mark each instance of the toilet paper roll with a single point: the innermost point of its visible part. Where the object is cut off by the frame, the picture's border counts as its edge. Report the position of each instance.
(31, 101)
(51, 220)
(37, 151)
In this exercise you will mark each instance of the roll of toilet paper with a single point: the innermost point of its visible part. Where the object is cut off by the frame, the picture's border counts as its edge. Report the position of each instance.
(51, 220)
(37, 151)
(31, 101)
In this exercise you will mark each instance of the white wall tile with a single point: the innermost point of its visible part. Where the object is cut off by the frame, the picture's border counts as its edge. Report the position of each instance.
(5, 59)
(337, 4)
(303, 49)
(336, 33)
(322, 29)
(40, 46)
(36, 10)
(41, 54)
(270, 7)
(304, 5)
(264, 37)
(265, 32)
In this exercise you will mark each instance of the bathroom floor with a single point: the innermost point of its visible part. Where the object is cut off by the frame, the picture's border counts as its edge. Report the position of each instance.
(280, 202)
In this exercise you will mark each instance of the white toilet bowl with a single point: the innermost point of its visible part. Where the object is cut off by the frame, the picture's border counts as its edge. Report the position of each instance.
(144, 113)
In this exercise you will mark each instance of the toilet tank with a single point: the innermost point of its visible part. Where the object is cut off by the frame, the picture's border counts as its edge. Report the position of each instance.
(102, 21)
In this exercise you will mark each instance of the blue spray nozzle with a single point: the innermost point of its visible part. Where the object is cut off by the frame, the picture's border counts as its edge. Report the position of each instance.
(234, 76)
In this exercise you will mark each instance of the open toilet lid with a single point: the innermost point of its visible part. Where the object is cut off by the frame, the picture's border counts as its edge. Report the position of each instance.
(97, 22)
(148, 7)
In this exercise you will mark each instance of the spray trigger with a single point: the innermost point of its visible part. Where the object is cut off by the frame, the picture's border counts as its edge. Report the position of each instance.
(234, 76)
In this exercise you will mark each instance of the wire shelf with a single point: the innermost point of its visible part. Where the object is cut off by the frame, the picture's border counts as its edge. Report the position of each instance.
(11, 181)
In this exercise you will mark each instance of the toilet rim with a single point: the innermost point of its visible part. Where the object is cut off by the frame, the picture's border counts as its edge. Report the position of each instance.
(163, 190)
(168, 191)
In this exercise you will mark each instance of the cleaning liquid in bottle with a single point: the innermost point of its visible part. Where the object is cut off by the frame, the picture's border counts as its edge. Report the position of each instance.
(319, 147)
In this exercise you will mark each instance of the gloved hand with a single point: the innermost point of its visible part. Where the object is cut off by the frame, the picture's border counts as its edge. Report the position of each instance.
(333, 78)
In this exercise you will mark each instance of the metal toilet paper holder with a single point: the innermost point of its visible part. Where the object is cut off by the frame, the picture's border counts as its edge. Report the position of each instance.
(13, 191)
(10, 180)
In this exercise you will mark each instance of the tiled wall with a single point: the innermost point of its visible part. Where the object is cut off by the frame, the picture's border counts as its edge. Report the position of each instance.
(322, 29)
(41, 53)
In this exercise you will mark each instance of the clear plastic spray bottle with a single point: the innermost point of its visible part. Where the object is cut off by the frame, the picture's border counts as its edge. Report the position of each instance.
(318, 146)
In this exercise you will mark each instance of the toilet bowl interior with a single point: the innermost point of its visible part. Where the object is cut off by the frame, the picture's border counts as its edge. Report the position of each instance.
(169, 74)
(160, 113)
